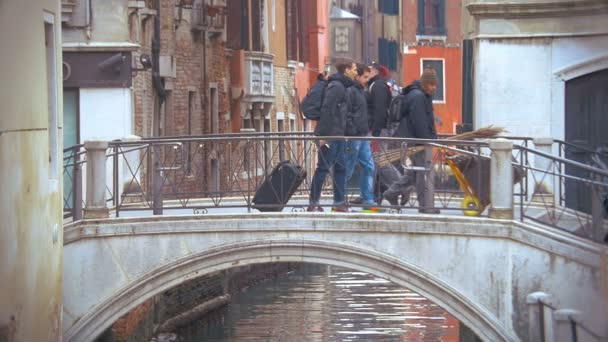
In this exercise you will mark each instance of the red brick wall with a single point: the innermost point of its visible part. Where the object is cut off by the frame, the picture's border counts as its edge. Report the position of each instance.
(125, 327)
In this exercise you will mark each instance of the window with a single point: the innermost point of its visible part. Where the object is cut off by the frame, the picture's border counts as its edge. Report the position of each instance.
(51, 79)
(390, 7)
(438, 66)
(297, 30)
(215, 115)
(281, 128)
(431, 17)
(189, 148)
(387, 52)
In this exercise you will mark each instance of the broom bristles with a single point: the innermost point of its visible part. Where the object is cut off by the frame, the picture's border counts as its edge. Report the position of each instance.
(393, 155)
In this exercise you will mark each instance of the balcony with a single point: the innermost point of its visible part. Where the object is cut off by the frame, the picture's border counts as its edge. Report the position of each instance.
(209, 16)
(258, 82)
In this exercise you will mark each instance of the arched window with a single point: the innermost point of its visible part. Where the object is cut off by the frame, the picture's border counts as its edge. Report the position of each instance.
(431, 17)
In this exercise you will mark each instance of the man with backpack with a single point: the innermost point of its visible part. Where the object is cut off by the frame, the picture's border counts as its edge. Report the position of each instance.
(332, 122)
(417, 121)
(359, 150)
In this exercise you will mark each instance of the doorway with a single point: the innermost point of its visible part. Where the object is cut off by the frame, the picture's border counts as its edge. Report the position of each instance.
(586, 126)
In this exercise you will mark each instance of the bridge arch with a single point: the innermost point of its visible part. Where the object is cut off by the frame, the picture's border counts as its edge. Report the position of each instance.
(224, 257)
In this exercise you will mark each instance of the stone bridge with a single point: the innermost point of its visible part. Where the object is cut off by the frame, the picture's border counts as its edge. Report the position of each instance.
(480, 270)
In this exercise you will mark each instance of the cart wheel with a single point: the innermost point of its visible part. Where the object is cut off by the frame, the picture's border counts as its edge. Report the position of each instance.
(471, 206)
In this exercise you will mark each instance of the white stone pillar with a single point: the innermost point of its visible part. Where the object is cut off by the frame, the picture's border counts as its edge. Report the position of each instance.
(564, 330)
(501, 179)
(540, 317)
(96, 180)
(544, 184)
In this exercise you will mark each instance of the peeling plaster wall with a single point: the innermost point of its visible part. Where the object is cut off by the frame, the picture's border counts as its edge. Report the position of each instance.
(31, 205)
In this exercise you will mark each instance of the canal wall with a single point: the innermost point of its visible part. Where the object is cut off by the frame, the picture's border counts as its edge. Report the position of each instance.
(187, 302)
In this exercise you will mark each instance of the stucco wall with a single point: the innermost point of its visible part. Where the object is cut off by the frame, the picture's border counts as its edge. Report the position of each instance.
(31, 207)
(517, 81)
(108, 22)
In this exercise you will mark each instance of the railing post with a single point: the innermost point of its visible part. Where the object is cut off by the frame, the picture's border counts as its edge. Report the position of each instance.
(565, 330)
(597, 213)
(96, 206)
(429, 182)
(77, 188)
(544, 182)
(157, 182)
(540, 317)
(501, 175)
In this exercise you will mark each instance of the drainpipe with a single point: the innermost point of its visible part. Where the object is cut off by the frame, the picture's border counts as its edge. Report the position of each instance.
(157, 82)
(87, 18)
(159, 87)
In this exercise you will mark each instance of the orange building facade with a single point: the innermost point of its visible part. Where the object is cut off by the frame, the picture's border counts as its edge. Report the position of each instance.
(432, 38)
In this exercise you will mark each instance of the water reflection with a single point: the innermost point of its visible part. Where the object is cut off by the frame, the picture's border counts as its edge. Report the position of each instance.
(325, 303)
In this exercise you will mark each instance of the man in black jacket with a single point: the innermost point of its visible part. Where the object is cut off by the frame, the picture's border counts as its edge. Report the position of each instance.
(379, 98)
(333, 123)
(417, 121)
(359, 150)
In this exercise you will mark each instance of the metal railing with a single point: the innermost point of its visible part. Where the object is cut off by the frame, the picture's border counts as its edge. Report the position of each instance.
(199, 174)
(576, 206)
(73, 159)
(553, 324)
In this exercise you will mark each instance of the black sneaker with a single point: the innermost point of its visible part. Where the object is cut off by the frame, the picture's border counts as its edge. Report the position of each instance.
(314, 208)
(356, 200)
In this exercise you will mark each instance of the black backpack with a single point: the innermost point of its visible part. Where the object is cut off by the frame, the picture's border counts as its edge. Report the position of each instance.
(311, 104)
(397, 111)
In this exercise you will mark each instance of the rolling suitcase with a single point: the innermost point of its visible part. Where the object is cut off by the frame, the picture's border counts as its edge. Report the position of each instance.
(279, 186)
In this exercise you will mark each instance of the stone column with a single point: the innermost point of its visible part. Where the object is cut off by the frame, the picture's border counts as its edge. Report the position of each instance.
(543, 181)
(96, 180)
(540, 317)
(565, 331)
(501, 176)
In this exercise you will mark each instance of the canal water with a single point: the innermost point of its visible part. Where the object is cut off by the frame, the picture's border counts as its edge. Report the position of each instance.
(325, 303)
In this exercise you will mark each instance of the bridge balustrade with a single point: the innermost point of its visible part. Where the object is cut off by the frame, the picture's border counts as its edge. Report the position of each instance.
(220, 173)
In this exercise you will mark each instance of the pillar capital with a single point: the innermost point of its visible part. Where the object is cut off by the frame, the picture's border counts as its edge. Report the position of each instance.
(501, 144)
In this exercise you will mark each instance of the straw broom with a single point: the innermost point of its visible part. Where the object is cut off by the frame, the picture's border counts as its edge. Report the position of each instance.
(390, 156)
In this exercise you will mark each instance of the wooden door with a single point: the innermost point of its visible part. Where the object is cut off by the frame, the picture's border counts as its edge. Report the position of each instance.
(587, 126)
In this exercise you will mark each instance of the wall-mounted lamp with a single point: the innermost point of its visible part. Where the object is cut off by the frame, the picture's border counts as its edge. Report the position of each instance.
(145, 61)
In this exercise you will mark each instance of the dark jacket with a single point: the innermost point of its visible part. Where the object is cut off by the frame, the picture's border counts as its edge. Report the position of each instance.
(417, 120)
(379, 100)
(333, 109)
(356, 117)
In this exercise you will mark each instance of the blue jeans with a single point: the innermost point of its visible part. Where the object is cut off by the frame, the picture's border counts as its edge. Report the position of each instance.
(332, 157)
(360, 151)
